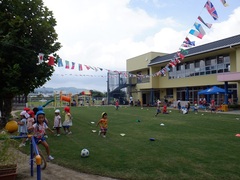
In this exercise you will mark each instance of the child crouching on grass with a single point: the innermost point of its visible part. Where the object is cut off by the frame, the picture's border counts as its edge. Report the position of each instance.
(39, 130)
(103, 122)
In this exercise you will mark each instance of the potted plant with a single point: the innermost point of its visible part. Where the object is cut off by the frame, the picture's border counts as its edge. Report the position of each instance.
(8, 158)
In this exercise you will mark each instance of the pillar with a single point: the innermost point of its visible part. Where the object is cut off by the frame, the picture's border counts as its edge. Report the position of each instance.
(226, 92)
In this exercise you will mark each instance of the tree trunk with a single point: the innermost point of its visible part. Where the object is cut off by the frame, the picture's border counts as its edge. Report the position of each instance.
(5, 108)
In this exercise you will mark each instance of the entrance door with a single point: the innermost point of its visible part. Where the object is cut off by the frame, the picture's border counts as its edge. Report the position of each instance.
(144, 99)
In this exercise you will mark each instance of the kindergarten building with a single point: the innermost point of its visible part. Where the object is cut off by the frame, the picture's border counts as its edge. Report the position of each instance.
(213, 64)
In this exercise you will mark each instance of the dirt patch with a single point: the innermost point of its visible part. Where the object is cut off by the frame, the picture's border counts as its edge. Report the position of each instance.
(52, 172)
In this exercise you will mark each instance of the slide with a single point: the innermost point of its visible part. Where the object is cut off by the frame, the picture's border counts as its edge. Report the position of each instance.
(48, 102)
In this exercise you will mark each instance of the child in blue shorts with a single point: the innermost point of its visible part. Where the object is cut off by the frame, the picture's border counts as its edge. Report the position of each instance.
(39, 129)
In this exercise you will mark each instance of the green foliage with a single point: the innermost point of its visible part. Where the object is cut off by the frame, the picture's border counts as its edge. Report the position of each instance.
(234, 106)
(191, 146)
(26, 29)
(97, 93)
(6, 150)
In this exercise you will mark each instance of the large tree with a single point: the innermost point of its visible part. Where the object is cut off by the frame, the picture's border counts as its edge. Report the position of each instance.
(26, 29)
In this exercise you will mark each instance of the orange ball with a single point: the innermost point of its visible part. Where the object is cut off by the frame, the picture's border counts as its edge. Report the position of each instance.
(11, 126)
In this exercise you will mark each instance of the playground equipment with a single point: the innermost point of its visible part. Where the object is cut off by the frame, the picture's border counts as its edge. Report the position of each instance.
(60, 98)
(65, 98)
(48, 102)
(86, 96)
(11, 126)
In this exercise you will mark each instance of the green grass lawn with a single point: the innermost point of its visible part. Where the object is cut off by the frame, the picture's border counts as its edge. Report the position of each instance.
(191, 146)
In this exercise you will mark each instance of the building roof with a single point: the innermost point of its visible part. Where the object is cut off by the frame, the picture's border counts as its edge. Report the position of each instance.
(213, 46)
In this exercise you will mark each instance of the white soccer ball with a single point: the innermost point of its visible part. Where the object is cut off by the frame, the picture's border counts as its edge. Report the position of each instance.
(84, 153)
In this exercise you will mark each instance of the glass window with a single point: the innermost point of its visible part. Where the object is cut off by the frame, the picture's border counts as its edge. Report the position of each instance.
(169, 92)
(178, 67)
(202, 63)
(220, 60)
(208, 62)
(197, 64)
(226, 59)
(187, 65)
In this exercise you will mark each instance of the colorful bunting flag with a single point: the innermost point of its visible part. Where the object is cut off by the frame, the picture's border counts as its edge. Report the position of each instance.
(172, 63)
(224, 3)
(167, 68)
(40, 58)
(73, 65)
(183, 51)
(177, 60)
(80, 68)
(211, 10)
(196, 33)
(181, 56)
(199, 28)
(67, 64)
(186, 45)
(60, 63)
(202, 21)
(87, 67)
(50, 60)
(187, 41)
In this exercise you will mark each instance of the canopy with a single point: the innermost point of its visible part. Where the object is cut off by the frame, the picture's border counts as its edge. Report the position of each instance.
(213, 90)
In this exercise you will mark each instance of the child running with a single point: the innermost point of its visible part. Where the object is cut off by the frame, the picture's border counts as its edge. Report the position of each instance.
(39, 130)
(103, 122)
(68, 121)
(158, 111)
(57, 122)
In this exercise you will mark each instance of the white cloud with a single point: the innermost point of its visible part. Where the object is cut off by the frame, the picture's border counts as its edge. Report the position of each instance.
(106, 33)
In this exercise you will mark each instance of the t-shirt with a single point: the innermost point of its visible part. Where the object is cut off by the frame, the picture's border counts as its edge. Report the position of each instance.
(68, 120)
(57, 121)
(103, 123)
(23, 128)
(39, 130)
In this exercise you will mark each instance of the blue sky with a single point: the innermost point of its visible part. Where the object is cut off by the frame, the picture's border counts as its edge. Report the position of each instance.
(104, 33)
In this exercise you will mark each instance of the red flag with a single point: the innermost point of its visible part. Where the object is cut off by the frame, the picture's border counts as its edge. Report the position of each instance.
(80, 68)
(50, 60)
(181, 56)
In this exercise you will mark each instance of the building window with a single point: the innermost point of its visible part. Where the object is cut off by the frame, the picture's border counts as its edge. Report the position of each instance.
(197, 64)
(169, 92)
(209, 65)
(187, 65)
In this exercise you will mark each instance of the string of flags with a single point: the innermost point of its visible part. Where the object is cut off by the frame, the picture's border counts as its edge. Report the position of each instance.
(198, 32)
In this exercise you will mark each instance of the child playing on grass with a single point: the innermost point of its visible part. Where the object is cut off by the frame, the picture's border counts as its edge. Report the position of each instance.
(158, 110)
(57, 122)
(117, 104)
(22, 127)
(103, 122)
(68, 121)
(39, 129)
(165, 109)
(179, 106)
